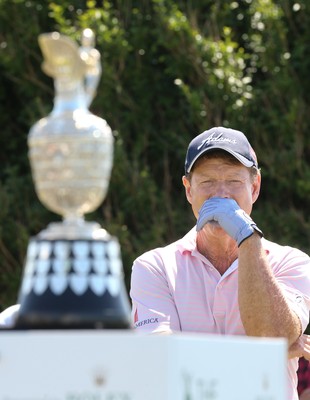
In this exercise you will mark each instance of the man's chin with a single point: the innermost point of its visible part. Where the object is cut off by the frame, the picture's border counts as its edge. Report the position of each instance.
(214, 226)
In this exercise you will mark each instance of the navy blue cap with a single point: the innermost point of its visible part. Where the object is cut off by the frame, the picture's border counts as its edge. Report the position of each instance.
(219, 138)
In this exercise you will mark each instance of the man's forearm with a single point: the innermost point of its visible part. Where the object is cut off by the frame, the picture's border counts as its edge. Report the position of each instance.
(263, 308)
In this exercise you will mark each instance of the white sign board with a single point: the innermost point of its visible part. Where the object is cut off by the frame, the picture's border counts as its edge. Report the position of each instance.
(124, 365)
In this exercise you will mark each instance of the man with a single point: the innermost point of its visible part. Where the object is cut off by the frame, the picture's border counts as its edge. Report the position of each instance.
(223, 277)
(303, 374)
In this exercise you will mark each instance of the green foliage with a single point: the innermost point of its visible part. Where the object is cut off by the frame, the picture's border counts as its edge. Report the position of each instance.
(171, 69)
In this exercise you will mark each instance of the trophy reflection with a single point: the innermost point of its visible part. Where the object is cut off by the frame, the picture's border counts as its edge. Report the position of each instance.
(73, 273)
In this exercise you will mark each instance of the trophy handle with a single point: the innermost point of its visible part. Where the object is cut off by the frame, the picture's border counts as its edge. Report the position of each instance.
(92, 58)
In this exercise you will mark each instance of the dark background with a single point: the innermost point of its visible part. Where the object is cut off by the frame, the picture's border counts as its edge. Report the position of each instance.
(171, 69)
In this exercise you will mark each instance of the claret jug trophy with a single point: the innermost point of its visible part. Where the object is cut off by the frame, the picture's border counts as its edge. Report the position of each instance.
(73, 273)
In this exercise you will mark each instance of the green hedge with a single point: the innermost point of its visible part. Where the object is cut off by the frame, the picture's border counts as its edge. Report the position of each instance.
(171, 69)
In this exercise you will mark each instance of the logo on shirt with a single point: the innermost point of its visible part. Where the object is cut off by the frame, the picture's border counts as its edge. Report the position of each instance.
(146, 322)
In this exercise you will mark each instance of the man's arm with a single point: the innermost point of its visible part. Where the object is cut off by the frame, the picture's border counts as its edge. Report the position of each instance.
(263, 308)
(300, 348)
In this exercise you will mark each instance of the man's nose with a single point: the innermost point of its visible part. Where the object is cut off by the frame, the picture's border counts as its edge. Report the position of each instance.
(222, 190)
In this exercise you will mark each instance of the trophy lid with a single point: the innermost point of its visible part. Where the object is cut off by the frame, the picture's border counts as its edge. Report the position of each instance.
(61, 56)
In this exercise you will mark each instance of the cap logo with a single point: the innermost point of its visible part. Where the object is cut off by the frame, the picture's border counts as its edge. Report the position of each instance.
(215, 139)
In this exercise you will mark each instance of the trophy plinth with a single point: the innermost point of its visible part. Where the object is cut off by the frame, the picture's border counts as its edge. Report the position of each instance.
(73, 284)
(73, 274)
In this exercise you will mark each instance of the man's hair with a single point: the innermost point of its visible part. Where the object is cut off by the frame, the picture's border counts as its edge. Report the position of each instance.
(224, 155)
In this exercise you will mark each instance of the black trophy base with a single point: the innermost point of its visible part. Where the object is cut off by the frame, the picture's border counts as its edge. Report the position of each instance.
(72, 312)
(73, 284)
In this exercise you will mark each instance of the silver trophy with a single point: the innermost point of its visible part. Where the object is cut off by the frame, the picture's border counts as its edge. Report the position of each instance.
(73, 273)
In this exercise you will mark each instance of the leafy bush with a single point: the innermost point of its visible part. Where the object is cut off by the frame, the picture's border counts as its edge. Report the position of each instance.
(171, 69)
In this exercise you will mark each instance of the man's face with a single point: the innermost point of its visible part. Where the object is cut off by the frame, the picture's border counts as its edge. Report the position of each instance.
(218, 177)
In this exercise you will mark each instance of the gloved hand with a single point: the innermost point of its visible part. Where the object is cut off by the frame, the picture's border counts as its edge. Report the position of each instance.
(236, 222)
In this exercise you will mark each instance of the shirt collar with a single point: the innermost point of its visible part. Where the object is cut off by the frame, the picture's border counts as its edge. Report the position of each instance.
(188, 242)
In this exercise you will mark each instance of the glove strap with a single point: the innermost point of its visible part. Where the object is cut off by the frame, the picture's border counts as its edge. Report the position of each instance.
(249, 231)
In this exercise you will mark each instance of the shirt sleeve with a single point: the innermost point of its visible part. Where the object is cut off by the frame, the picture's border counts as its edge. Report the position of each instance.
(153, 307)
(293, 275)
(8, 316)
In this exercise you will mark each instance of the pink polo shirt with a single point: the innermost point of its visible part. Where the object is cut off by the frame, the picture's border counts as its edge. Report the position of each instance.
(175, 288)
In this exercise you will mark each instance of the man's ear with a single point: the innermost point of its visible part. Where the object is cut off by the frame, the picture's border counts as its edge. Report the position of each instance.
(256, 187)
(187, 186)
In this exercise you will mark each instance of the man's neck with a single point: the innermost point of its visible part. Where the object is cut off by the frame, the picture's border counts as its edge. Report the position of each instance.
(219, 248)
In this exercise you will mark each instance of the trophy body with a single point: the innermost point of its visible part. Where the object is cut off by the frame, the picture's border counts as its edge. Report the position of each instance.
(71, 157)
(73, 274)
